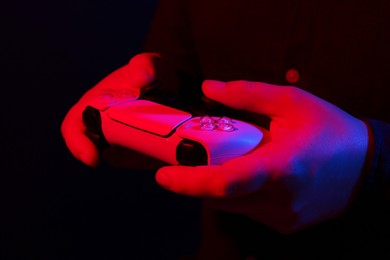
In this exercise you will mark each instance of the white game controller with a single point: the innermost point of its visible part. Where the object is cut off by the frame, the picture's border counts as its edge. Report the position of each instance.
(165, 133)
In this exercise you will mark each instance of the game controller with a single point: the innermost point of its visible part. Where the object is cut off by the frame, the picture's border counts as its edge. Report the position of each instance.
(116, 117)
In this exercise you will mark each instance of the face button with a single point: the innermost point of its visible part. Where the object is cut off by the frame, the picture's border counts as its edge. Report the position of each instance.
(292, 76)
(225, 124)
(207, 123)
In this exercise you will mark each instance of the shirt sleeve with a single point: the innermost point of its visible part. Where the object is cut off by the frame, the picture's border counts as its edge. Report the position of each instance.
(376, 186)
(381, 159)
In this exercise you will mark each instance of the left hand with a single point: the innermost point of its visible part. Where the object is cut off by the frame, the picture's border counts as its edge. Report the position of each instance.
(304, 172)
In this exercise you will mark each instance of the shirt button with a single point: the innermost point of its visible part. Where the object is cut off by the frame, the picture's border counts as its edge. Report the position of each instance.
(292, 76)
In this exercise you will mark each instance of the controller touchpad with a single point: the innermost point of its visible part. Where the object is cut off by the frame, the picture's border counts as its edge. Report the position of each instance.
(148, 116)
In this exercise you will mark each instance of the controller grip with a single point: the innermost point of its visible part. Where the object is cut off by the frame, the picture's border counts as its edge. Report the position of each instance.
(93, 123)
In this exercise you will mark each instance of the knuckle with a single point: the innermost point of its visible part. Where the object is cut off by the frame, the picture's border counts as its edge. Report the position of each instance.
(139, 57)
(143, 58)
(295, 165)
(223, 186)
(290, 96)
(294, 174)
(139, 61)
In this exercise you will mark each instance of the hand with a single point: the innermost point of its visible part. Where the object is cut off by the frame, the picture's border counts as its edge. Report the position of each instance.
(138, 73)
(304, 172)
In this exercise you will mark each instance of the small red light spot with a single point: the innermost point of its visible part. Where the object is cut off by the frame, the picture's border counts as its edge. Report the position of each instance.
(292, 76)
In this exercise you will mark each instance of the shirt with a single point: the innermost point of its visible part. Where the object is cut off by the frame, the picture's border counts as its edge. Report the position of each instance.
(337, 50)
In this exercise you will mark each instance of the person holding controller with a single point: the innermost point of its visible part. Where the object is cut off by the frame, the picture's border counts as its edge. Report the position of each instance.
(319, 74)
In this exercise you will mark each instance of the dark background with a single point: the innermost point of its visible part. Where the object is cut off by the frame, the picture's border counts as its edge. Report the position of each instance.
(52, 206)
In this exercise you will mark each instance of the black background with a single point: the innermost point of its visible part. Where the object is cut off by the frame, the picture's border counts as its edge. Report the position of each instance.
(52, 206)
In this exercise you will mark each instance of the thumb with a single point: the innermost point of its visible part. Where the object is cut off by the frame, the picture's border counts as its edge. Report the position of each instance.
(237, 177)
(258, 97)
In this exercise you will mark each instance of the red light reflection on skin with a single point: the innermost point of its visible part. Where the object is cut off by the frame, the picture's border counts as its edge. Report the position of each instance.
(304, 172)
(311, 146)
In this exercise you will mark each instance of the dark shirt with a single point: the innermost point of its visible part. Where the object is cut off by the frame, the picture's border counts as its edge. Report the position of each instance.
(340, 51)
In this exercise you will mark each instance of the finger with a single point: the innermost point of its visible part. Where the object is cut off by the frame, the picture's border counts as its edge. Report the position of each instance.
(78, 143)
(138, 73)
(201, 181)
(257, 97)
(237, 177)
(141, 70)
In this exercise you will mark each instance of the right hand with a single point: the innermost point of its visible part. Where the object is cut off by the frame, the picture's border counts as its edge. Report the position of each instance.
(138, 73)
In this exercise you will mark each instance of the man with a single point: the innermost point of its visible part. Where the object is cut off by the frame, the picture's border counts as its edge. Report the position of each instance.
(319, 71)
